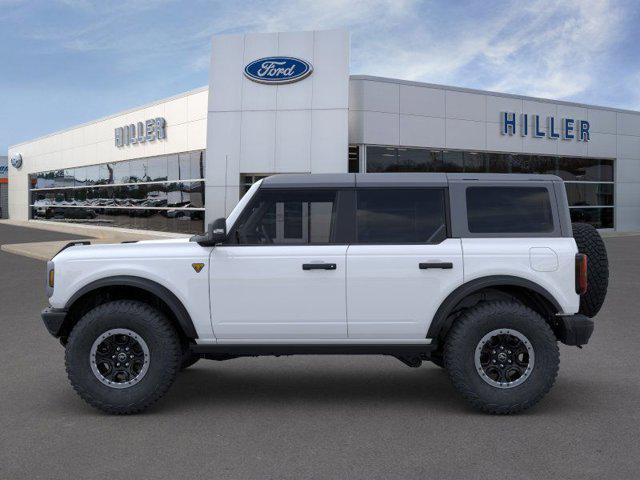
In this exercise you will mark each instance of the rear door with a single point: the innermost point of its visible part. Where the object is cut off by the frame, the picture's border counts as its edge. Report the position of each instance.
(402, 264)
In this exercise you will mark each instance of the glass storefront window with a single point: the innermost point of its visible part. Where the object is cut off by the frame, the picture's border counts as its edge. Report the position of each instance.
(598, 217)
(131, 193)
(354, 159)
(589, 194)
(589, 181)
(452, 161)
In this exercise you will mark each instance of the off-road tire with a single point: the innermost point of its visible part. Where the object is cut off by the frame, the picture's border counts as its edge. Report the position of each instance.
(164, 356)
(590, 243)
(437, 359)
(464, 337)
(188, 359)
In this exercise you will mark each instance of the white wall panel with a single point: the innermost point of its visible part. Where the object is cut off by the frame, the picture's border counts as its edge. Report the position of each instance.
(628, 124)
(381, 128)
(356, 95)
(296, 95)
(602, 145)
(223, 131)
(628, 146)
(356, 126)
(258, 142)
(628, 194)
(419, 131)
(175, 111)
(628, 218)
(426, 101)
(381, 96)
(329, 141)
(602, 121)
(293, 141)
(572, 147)
(197, 106)
(465, 106)
(502, 143)
(543, 145)
(496, 105)
(196, 135)
(543, 109)
(331, 70)
(627, 170)
(256, 96)
(465, 134)
(226, 73)
(571, 111)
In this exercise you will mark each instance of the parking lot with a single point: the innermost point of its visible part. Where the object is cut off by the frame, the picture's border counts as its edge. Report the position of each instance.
(318, 417)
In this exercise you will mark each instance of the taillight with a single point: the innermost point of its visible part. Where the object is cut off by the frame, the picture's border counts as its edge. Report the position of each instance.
(581, 273)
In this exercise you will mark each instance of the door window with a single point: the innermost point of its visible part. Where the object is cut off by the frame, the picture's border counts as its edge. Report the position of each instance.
(288, 217)
(401, 215)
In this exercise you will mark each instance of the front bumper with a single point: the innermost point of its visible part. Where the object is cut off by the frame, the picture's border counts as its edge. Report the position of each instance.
(574, 330)
(53, 319)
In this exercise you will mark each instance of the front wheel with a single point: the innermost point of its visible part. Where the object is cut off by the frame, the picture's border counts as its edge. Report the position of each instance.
(122, 356)
(502, 357)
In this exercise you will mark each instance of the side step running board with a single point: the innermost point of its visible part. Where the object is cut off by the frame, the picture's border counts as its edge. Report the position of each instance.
(256, 350)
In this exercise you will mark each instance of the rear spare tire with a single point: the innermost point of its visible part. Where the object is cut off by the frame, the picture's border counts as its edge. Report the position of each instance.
(590, 243)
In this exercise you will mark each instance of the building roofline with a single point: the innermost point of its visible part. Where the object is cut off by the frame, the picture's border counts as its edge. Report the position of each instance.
(117, 114)
(488, 92)
(351, 77)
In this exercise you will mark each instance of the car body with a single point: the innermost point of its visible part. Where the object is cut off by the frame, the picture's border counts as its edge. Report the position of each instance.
(343, 263)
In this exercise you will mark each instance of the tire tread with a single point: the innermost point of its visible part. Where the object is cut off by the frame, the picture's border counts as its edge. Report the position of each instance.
(164, 329)
(457, 336)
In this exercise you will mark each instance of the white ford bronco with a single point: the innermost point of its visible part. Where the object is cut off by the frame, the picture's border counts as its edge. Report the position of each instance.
(480, 274)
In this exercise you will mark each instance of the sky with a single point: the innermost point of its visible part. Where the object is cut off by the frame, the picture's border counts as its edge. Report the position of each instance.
(66, 62)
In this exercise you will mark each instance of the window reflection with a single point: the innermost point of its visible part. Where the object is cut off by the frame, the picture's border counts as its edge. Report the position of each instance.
(136, 193)
(570, 169)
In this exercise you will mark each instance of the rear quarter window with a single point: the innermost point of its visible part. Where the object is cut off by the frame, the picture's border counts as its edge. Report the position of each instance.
(498, 209)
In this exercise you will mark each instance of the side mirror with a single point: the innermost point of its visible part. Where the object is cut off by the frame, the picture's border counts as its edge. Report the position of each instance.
(216, 233)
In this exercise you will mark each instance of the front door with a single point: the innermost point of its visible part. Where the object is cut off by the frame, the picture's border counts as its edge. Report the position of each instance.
(282, 274)
(402, 265)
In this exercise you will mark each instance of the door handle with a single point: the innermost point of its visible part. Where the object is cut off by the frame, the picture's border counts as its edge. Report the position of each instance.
(319, 266)
(442, 265)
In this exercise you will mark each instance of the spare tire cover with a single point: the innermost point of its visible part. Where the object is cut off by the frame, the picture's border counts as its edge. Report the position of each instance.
(590, 243)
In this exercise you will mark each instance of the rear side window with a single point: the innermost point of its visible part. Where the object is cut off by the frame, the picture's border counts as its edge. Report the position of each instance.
(401, 216)
(509, 210)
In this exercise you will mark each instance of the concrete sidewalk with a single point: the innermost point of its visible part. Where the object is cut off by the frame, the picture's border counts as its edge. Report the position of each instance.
(46, 250)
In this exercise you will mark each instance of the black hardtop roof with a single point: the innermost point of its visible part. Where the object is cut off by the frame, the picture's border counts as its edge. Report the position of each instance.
(345, 180)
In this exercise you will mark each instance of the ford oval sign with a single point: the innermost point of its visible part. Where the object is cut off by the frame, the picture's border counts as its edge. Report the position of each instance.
(16, 160)
(278, 70)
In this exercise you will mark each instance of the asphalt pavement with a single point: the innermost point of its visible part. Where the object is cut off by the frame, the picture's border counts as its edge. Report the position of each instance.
(318, 417)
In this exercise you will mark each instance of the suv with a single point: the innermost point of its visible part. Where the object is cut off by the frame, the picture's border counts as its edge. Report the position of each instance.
(480, 274)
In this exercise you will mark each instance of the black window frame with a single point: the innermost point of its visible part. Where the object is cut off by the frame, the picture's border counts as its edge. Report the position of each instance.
(460, 225)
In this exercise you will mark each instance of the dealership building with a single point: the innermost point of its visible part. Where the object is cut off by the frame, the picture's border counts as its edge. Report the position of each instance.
(286, 103)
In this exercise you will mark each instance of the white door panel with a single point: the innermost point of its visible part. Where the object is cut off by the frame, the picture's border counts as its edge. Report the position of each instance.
(390, 296)
(263, 292)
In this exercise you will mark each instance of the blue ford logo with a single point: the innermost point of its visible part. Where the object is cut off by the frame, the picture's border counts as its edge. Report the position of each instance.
(278, 70)
(16, 160)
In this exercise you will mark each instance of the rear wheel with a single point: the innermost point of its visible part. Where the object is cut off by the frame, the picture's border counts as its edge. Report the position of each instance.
(122, 356)
(502, 357)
